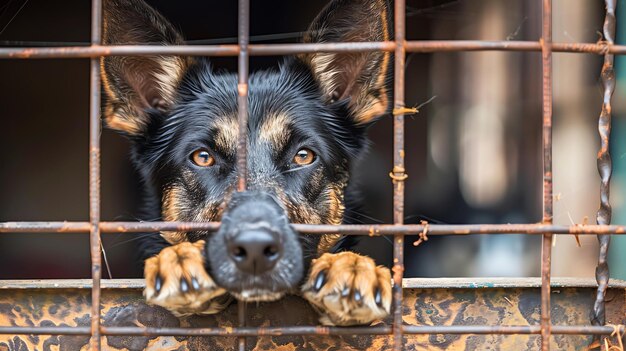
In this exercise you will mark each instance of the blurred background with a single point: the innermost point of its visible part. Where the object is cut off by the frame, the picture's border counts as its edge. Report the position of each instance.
(473, 151)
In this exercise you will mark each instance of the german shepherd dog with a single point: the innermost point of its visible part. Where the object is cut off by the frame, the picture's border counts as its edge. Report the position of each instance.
(307, 128)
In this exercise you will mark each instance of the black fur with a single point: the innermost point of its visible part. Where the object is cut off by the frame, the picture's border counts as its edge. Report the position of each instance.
(163, 149)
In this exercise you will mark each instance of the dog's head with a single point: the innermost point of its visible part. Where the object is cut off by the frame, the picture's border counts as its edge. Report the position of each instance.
(306, 127)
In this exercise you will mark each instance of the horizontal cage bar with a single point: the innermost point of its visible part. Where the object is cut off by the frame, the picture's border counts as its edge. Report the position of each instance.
(318, 330)
(346, 229)
(298, 48)
(407, 283)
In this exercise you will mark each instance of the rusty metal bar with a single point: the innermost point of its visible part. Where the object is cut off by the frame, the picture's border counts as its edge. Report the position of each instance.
(426, 46)
(250, 331)
(603, 216)
(546, 249)
(346, 229)
(94, 175)
(376, 330)
(317, 330)
(36, 330)
(407, 283)
(398, 174)
(242, 97)
(242, 113)
(241, 314)
(38, 227)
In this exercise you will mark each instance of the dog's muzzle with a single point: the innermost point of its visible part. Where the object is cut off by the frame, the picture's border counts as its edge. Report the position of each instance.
(255, 255)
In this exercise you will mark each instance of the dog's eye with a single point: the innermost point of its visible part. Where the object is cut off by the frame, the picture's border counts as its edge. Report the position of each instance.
(202, 158)
(304, 157)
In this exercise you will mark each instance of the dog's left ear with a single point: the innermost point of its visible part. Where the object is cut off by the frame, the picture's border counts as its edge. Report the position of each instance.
(135, 84)
(360, 77)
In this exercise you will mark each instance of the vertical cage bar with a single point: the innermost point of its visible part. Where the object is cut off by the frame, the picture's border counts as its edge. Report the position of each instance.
(241, 315)
(242, 142)
(94, 175)
(546, 250)
(603, 216)
(398, 171)
(242, 98)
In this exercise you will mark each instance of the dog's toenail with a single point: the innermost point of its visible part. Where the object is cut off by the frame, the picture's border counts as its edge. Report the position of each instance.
(158, 284)
(319, 281)
(345, 292)
(184, 286)
(194, 284)
(357, 296)
(378, 297)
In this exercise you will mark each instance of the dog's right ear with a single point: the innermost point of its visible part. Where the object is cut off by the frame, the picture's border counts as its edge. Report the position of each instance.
(135, 84)
(359, 78)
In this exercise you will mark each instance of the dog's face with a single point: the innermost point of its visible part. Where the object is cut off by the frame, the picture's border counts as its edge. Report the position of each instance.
(306, 126)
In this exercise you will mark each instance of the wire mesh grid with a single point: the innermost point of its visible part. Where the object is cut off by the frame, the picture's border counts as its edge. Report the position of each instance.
(400, 46)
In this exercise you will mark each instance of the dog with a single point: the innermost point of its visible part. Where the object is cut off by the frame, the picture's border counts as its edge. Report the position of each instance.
(307, 128)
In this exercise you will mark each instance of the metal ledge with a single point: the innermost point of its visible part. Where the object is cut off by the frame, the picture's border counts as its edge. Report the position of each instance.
(427, 302)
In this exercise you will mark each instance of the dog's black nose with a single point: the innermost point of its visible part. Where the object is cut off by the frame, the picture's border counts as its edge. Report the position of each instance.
(256, 254)
(254, 251)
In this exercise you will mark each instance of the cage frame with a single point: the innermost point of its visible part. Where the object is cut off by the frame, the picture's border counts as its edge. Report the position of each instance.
(399, 46)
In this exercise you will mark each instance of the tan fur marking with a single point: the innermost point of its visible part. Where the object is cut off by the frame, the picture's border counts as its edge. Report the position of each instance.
(335, 215)
(327, 241)
(275, 130)
(226, 134)
(175, 207)
(117, 122)
(168, 76)
(373, 111)
(321, 64)
(386, 55)
(336, 206)
(302, 213)
(380, 104)
(173, 198)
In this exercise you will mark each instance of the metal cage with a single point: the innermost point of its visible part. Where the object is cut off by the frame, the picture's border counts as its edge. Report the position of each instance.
(400, 47)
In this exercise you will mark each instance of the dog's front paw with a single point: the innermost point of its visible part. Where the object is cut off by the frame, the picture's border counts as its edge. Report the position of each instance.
(348, 289)
(177, 280)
